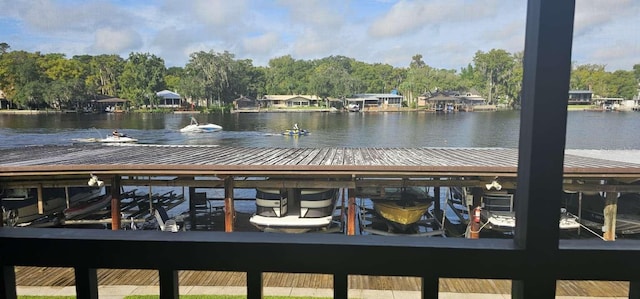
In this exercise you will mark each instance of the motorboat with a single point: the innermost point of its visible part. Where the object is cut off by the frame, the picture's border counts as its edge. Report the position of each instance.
(20, 206)
(497, 213)
(404, 212)
(353, 108)
(122, 138)
(294, 210)
(85, 207)
(115, 137)
(195, 127)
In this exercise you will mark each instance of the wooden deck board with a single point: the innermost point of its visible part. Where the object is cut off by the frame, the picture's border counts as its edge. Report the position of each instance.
(50, 276)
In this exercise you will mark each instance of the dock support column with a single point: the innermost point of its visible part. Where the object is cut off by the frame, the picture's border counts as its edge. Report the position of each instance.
(86, 283)
(115, 203)
(169, 285)
(40, 200)
(229, 209)
(610, 211)
(351, 218)
(8, 287)
(436, 198)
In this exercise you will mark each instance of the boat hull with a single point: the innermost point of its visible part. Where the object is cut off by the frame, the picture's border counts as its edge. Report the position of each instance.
(313, 210)
(87, 207)
(402, 212)
(206, 128)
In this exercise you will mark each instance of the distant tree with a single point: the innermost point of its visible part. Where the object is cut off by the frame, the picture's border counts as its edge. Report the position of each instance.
(4, 48)
(493, 65)
(104, 74)
(622, 84)
(142, 77)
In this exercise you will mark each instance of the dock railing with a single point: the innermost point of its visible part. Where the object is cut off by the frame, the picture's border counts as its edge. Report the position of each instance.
(335, 254)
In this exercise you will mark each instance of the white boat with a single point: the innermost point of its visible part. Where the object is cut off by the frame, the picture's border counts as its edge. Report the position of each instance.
(118, 139)
(498, 213)
(287, 211)
(86, 207)
(195, 127)
(20, 206)
(113, 138)
(353, 108)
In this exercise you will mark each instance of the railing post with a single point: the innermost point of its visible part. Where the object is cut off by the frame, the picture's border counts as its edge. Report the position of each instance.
(543, 123)
(86, 283)
(168, 283)
(634, 289)
(340, 285)
(430, 287)
(254, 285)
(8, 282)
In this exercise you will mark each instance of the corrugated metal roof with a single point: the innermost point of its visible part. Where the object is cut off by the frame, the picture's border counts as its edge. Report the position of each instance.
(339, 160)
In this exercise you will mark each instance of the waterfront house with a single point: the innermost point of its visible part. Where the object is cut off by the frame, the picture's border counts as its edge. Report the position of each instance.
(168, 99)
(245, 103)
(375, 101)
(289, 101)
(580, 97)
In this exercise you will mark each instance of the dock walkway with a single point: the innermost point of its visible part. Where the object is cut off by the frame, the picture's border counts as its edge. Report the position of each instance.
(33, 280)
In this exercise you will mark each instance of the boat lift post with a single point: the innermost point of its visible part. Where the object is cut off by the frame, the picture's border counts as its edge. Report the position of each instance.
(229, 210)
(351, 217)
(115, 203)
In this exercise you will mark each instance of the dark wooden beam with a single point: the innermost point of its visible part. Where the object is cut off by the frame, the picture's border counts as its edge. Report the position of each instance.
(547, 62)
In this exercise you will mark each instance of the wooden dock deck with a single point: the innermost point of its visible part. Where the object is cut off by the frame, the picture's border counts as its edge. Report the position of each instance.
(37, 276)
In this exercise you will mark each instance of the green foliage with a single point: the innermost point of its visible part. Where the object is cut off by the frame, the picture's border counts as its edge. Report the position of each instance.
(142, 77)
(213, 80)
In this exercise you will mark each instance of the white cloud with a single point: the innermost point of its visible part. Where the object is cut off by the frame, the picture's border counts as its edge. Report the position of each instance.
(446, 32)
(109, 41)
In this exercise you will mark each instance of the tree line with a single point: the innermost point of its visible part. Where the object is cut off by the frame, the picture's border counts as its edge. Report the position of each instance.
(37, 80)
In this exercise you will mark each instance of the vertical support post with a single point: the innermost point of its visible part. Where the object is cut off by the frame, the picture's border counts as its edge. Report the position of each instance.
(168, 283)
(543, 124)
(342, 205)
(66, 196)
(351, 217)
(610, 211)
(8, 287)
(634, 289)
(430, 287)
(192, 208)
(229, 209)
(477, 196)
(474, 223)
(254, 285)
(115, 203)
(86, 283)
(340, 285)
(40, 200)
(436, 199)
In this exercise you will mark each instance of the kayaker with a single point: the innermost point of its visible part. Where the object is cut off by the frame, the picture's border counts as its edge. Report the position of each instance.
(295, 127)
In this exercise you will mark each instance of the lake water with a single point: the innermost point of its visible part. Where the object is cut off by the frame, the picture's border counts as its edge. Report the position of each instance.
(585, 130)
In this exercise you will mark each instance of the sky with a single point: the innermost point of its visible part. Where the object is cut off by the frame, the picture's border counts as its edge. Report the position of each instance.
(447, 33)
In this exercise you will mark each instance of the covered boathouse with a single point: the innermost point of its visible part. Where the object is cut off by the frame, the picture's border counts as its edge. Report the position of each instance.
(535, 259)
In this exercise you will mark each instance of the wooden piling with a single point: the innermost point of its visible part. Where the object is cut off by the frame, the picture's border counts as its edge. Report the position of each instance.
(40, 200)
(229, 209)
(610, 210)
(351, 218)
(115, 203)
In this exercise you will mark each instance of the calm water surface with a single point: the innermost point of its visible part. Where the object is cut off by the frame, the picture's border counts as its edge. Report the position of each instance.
(585, 130)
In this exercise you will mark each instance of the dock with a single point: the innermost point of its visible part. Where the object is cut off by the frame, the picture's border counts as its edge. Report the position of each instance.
(36, 276)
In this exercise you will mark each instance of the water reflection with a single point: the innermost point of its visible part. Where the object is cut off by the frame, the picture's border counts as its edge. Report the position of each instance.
(588, 130)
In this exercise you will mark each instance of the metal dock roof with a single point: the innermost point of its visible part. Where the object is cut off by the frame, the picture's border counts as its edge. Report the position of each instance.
(195, 160)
